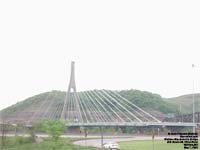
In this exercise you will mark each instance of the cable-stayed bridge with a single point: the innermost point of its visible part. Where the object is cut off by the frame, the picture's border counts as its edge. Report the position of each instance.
(97, 106)
(91, 108)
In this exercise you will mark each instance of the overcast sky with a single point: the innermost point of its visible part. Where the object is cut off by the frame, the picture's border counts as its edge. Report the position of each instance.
(146, 45)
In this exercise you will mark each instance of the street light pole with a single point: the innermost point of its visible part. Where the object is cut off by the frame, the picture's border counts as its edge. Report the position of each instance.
(193, 99)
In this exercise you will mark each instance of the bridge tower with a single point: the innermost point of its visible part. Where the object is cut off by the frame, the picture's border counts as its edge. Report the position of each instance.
(71, 92)
(72, 84)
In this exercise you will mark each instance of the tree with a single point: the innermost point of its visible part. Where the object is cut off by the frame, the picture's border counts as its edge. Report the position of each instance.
(55, 129)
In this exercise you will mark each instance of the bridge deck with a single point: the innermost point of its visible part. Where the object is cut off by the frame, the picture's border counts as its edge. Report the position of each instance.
(143, 124)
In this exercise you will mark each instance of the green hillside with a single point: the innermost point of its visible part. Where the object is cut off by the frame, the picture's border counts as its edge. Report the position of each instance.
(32, 103)
(150, 102)
(184, 102)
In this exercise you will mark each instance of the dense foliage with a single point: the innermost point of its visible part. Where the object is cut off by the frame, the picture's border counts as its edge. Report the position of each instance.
(55, 129)
(185, 103)
(31, 102)
(26, 145)
(148, 100)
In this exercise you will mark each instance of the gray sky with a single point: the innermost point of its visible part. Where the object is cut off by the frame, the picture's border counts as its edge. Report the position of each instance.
(145, 45)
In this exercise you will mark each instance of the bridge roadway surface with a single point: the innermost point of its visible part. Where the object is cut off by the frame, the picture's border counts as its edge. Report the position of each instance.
(142, 124)
(180, 124)
(130, 124)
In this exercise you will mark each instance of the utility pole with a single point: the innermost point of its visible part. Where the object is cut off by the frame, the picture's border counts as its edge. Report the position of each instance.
(193, 99)
(101, 128)
(153, 139)
(181, 115)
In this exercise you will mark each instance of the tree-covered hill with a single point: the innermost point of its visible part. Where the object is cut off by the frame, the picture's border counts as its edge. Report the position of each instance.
(185, 102)
(152, 103)
(149, 100)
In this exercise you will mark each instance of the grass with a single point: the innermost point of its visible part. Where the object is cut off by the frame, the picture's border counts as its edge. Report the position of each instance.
(148, 145)
(131, 145)
(67, 145)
